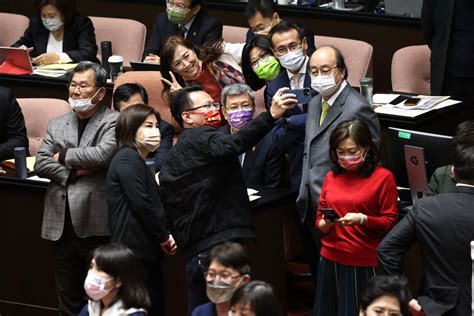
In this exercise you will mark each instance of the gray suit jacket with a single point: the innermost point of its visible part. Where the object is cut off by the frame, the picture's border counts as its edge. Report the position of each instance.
(316, 163)
(86, 195)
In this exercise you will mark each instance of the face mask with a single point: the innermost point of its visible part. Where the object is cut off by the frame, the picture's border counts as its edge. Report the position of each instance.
(151, 139)
(53, 24)
(292, 60)
(238, 118)
(94, 286)
(219, 291)
(213, 118)
(82, 105)
(352, 162)
(324, 85)
(269, 69)
(176, 16)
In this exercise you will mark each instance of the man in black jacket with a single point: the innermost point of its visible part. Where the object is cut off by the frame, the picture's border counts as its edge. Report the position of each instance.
(201, 182)
(442, 225)
(185, 18)
(12, 125)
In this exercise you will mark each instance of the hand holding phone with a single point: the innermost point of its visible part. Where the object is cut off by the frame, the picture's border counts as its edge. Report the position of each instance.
(329, 214)
(302, 95)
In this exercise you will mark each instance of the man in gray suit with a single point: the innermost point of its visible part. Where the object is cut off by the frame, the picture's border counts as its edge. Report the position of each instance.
(75, 154)
(336, 102)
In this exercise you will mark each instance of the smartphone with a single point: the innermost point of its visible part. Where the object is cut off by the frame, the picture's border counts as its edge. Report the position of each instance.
(329, 214)
(302, 95)
(399, 99)
(411, 101)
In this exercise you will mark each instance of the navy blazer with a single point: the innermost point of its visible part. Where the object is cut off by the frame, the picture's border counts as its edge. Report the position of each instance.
(263, 164)
(78, 42)
(12, 125)
(204, 29)
(442, 226)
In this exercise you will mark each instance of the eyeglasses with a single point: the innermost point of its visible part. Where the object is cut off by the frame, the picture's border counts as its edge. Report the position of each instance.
(261, 59)
(280, 51)
(235, 107)
(81, 87)
(224, 276)
(179, 6)
(207, 107)
(323, 71)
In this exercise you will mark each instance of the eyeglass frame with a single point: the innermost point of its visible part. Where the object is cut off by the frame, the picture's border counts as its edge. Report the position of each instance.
(221, 277)
(214, 105)
(254, 65)
(178, 6)
(81, 88)
(288, 49)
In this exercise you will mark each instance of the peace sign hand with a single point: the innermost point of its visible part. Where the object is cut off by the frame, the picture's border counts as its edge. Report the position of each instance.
(174, 85)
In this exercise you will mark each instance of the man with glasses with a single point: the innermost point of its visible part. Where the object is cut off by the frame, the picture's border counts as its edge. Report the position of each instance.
(185, 18)
(201, 182)
(229, 269)
(263, 164)
(337, 101)
(75, 154)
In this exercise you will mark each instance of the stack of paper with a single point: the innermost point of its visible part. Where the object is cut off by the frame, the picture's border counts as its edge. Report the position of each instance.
(54, 70)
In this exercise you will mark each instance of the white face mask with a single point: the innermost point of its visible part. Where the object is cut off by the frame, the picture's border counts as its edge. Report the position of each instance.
(150, 139)
(82, 105)
(293, 61)
(324, 85)
(94, 286)
(53, 24)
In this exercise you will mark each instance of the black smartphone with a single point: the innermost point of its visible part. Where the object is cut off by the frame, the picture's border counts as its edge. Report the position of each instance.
(329, 214)
(399, 99)
(411, 101)
(302, 95)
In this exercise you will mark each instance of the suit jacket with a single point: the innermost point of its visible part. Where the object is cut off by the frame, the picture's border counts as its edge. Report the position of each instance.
(12, 125)
(263, 164)
(78, 42)
(86, 194)
(436, 21)
(316, 163)
(288, 133)
(204, 29)
(159, 155)
(442, 225)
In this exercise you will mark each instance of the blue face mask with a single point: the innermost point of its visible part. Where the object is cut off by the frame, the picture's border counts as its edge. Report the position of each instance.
(53, 24)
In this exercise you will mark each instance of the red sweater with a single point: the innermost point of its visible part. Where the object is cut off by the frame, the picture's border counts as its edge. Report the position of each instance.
(209, 84)
(375, 197)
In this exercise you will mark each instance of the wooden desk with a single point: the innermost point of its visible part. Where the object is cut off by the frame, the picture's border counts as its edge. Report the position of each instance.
(27, 266)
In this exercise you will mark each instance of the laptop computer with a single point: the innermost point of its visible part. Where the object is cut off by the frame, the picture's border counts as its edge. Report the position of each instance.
(15, 61)
(410, 8)
(139, 66)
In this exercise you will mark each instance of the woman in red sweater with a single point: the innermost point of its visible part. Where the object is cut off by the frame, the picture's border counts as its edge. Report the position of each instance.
(363, 197)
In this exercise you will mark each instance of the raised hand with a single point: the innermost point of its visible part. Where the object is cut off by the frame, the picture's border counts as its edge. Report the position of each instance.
(174, 85)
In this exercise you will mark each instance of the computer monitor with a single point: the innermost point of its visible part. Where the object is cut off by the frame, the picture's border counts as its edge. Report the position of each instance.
(418, 149)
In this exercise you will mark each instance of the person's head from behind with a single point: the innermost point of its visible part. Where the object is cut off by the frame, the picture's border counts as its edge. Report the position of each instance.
(229, 269)
(128, 94)
(193, 107)
(238, 104)
(464, 165)
(182, 11)
(385, 295)
(258, 56)
(289, 45)
(256, 298)
(86, 87)
(116, 273)
(327, 69)
(464, 135)
(137, 127)
(55, 13)
(261, 16)
(351, 148)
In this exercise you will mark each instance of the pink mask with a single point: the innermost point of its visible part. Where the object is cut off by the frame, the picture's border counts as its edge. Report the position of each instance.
(352, 162)
(95, 286)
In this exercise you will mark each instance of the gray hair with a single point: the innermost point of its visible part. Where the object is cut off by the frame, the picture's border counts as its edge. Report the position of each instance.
(100, 73)
(237, 89)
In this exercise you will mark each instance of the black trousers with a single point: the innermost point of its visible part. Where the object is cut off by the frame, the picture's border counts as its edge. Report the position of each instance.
(72, 262)
(458, 88)
(154, 282)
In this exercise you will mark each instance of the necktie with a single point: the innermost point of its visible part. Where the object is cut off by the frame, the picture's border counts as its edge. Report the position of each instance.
(324, 112)
(295, 80)
(182, 31)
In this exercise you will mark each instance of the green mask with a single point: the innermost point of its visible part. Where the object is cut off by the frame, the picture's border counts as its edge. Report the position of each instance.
(176, 16)
(268, 69)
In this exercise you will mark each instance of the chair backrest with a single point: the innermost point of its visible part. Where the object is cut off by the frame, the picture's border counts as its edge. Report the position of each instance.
(411, 69)
(127, 37)
(37, 113)
(260, 101)
(151, 81)
(12, 27)
(357, 56)
(234, 34)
